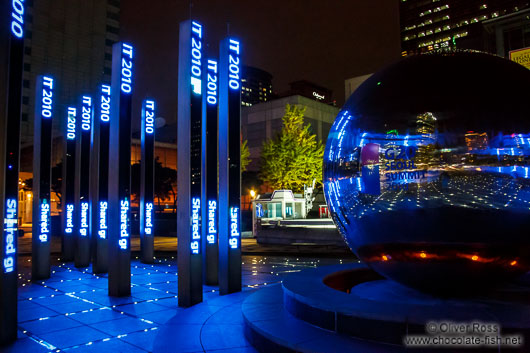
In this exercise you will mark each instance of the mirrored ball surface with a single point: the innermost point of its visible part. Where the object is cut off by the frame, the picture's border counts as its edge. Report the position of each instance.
(427, 171)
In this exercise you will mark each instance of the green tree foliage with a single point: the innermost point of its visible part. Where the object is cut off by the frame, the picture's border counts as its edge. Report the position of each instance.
(245, 156)
(294, 156)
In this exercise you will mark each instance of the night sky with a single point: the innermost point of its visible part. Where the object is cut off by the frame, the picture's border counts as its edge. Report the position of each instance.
(322, 41)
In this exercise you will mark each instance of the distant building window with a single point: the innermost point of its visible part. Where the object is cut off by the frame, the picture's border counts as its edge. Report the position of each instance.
(27, 50)
(109, 42)
(107, 71)
(25, 100)
(27, 67)
(112, 29)
(113, 16)
(115, 3)
(428, 12)
(24, 116)
(108, 56)
(25, 83)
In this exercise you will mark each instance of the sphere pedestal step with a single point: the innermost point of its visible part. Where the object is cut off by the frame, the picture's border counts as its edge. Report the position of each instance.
(269, 327)
(366, 313)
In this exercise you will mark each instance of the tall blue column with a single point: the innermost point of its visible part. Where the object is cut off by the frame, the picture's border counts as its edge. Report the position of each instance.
(210, 176)
(82, 248)
(99, 183)
(68, 214)
(11, 65)
(42, 153)
(229, 166)
(120, 171)
(147, 179)
(190, 93)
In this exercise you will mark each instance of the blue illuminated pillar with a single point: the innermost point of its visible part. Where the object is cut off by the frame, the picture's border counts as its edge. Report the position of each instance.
(209, 165)
(82, 246)
(190, 93)
(99, 185)
(119, 211)
(11, 69)
(147, 183)
(229, 166)
(68, 214)
(42, 152)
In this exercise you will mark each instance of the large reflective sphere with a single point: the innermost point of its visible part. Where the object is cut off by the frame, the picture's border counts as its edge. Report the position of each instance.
(426, 171)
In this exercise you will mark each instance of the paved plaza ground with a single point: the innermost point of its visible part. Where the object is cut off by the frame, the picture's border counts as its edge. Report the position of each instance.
(71, 311)
(249, 246)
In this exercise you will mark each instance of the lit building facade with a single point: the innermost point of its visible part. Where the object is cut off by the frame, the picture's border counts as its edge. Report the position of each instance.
(507, 33)
(71, 41)
(262, 122)
(310, 90)
(476, 140)
(256, 86)
(434, 24)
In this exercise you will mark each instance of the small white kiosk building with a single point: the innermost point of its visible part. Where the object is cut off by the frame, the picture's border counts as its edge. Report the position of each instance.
(280, 205)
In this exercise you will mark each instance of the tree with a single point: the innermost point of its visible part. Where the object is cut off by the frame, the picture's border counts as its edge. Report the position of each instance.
(293, 158)
(245, 156)
(56, 182)
(165, 182)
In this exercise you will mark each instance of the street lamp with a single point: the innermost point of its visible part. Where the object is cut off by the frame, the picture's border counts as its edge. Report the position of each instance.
(254, 216)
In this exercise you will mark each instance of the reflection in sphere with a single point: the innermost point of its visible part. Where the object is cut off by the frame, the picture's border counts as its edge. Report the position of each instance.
(427, 171)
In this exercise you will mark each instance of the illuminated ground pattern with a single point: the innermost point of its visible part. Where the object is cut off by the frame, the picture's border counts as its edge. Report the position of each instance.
(485, 193)
(72, 312)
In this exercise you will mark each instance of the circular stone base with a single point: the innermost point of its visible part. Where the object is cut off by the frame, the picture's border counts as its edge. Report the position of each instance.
(385, 311)
(392, 292)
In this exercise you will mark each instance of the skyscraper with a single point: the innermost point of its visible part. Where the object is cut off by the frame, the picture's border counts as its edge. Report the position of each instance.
(70, 40)
(256, 86)
(434, 24)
